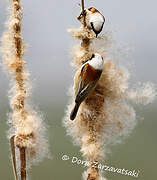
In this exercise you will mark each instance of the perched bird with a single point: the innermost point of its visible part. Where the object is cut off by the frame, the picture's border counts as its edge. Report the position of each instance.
(94, 19)
(88, 77)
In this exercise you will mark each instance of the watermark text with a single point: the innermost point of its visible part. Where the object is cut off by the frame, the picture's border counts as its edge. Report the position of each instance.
(75, 160)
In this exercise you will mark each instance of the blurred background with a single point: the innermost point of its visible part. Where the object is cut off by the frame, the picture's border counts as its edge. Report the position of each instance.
(134, 26)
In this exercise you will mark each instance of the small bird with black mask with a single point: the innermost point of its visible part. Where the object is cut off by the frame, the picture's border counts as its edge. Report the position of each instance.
(89, 74)
(94, 19)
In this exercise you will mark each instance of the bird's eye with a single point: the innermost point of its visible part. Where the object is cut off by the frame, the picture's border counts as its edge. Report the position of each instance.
(93, 55)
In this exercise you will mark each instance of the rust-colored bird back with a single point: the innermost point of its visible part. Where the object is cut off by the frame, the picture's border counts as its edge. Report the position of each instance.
(93, 10)
(90, 74)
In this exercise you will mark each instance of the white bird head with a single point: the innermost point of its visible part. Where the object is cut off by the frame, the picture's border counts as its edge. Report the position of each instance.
(96, 61)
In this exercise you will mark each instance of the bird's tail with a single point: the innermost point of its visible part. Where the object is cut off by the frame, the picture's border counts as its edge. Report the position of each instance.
(74, 111)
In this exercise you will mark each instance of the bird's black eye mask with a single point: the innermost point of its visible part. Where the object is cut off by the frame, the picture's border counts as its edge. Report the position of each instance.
(93, 56)
(83, 13)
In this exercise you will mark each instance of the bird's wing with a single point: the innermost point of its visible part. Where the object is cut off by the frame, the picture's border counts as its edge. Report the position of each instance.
(84, 86)
(84, 91)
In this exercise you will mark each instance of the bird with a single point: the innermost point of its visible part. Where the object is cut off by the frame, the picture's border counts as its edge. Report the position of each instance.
(87, 78)
(94, 19)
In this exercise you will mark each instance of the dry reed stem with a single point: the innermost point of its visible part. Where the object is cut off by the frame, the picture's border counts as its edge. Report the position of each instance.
(85, 41)
(84, 18)
(23, 162)
(13, 156)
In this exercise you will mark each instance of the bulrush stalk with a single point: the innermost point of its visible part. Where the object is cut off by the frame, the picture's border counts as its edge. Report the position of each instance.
(105, 116)
(27, 131)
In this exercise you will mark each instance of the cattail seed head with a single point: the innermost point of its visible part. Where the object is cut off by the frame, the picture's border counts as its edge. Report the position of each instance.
(26, 124)
(106, 116)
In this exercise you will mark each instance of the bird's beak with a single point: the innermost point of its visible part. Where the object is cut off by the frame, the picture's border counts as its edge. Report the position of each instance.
(83, 13)
(79, 17)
